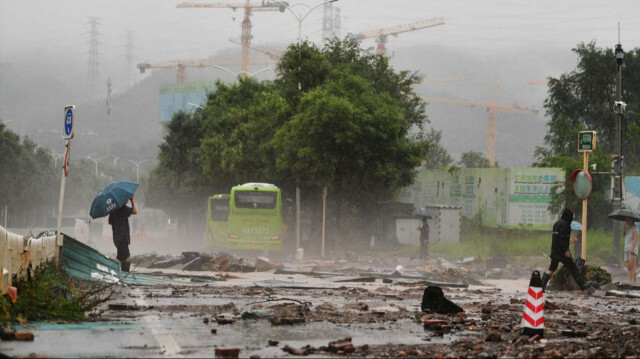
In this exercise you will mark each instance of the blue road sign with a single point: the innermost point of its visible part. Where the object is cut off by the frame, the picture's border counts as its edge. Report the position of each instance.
(68, 120)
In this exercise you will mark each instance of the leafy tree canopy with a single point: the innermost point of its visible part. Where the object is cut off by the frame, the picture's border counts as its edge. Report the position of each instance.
(336, 116)
(438, 157)
(473, 159)
(581, 100)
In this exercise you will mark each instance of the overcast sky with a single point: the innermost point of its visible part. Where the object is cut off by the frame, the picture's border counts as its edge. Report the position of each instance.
(520, 38)
(60, 29)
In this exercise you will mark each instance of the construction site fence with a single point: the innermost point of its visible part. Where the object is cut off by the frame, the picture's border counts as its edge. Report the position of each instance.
(18, 252)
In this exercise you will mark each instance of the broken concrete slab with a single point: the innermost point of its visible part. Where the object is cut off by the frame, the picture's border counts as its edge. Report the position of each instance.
(264, 263)
(431, 283)
(195, 264)
(356, 280)
(308, 273)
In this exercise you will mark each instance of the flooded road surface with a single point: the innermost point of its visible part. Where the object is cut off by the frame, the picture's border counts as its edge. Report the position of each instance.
(264, 314)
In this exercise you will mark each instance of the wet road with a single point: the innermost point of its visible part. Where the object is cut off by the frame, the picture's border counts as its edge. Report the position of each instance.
(188, 321)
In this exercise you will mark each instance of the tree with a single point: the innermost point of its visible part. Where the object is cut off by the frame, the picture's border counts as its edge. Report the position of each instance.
(350, 129)
(239, 122)
(437, 157)
(26, 190)
(583, 100)
(473, 159)
(350, 138)
(177, 183)
(337, 118)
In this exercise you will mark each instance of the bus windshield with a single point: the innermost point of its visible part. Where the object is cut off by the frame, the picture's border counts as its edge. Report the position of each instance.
(220, 209)
(256, 199)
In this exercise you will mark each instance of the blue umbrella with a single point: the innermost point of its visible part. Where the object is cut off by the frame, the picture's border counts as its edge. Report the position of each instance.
(113, 196)
(576, 226)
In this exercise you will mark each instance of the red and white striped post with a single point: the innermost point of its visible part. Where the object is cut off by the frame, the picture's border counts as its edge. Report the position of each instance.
(533, 312)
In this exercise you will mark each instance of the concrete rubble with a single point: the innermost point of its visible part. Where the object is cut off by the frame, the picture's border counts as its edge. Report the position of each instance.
(336, 308)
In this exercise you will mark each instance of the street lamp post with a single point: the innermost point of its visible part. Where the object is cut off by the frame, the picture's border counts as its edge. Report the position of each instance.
(618, 109)
(96, 160)
(137, 168)
(195, 105)
(55, 158)
(237, 74)
(301, 17)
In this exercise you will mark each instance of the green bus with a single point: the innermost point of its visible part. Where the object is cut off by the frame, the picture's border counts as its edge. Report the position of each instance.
(255, 218)
(217, 221)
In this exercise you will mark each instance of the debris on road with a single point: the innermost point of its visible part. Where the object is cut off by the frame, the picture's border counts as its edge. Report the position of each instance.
(227, 352)
(433, 300)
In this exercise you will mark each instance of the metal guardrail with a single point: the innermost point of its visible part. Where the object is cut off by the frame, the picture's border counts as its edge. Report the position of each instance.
(18, 253)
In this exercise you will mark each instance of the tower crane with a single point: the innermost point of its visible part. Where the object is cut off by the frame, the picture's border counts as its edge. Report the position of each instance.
(270, 52)
(382, 34)
(182, 65)
(246, 22)
(492, 108)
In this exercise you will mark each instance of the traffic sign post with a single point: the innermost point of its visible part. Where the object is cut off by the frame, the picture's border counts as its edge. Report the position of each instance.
(69, 117)
(582, 183)
(586, 141)
(67, 135)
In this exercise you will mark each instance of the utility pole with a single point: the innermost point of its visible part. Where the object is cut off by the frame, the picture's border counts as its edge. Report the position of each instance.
(618, 109)
(94, 72)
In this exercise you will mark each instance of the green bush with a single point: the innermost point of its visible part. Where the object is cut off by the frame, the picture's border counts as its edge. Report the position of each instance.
(50, 295)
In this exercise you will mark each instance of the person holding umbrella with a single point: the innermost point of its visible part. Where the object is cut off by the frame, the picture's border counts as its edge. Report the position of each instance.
(631, 248)
(424, 231)
(630, 236)
(119, 221)
(112, 201)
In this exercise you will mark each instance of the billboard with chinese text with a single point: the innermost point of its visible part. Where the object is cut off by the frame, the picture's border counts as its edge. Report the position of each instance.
(503, 197)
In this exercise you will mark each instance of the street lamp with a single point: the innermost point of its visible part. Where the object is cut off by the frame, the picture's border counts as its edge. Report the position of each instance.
(96, 160)
(137, 168)
(55, 158)
(195, 105)
(237, 75)
(301, 17)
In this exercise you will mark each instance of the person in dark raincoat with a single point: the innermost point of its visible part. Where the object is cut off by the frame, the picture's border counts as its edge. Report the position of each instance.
(424, 239)
(119, 221)
(561, 239)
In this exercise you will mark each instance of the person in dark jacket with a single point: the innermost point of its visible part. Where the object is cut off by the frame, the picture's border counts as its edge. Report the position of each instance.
(424, 239)
(561, 239)
(119, 221)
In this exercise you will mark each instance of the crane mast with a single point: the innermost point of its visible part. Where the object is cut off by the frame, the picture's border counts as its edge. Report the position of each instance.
(492, 108)
(246, 36)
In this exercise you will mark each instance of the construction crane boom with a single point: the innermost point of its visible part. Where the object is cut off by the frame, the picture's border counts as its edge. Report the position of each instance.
(271, 53)
(265, 6)
(246, 22)
(492, 108)
(382, 33)
(182, 65)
